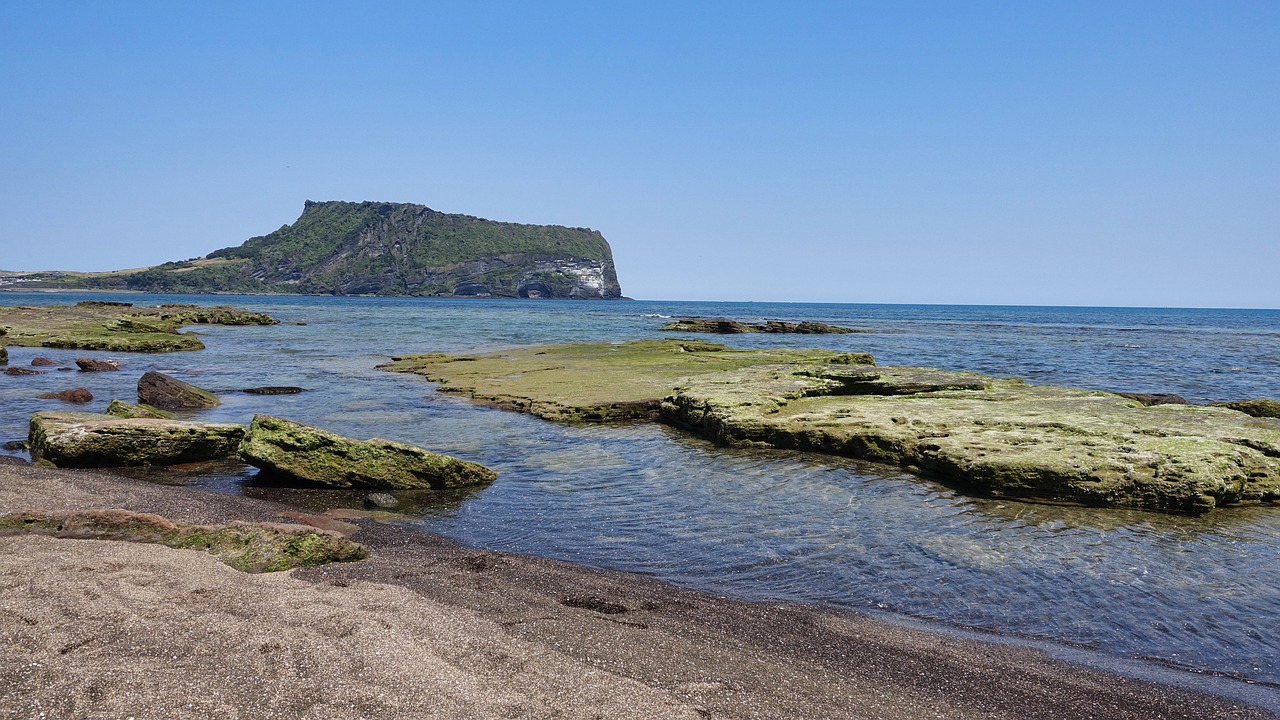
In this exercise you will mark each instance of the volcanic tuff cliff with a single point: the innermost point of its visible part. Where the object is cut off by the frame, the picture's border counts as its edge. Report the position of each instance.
(345, 248)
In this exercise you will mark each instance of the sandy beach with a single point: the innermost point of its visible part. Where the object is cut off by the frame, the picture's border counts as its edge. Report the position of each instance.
(427, 628)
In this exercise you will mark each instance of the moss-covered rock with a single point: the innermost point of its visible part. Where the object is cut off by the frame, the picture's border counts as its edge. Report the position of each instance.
(998, 437)
(1259, 407)
(596, 382)
(169, 393)
(983, 434)
(72, 439)
(250, 547)
(117, 327)
(122, 409)
(4, 356)
(308, 453)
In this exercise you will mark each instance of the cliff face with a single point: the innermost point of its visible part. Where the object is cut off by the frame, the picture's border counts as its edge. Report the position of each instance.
(344, 248)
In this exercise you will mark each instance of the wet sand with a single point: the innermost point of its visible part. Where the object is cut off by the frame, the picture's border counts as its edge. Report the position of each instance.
(428, 628)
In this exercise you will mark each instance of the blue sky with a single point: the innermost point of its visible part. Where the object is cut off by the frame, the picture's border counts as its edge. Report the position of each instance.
(1108, 153)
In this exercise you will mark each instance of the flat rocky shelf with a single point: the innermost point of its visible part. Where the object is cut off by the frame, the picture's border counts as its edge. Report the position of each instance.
(991, 436)
(116, 326)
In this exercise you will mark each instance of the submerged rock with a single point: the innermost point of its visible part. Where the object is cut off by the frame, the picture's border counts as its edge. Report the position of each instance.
(169, 393)
(78, 395)
(122, 409)
(273, 390)
(380, 500)
(73, 439)
(309, 453)
(22, 371)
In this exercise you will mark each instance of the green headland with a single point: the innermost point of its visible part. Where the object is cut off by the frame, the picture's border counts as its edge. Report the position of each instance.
(373, 248)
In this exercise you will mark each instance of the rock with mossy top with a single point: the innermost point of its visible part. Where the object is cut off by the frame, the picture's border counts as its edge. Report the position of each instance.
(1259, 407)
(169, 393)
(122, 409)
(994, 436)
(74, 439)
(598, 382)
(288, 448)
(118, 327)
(250, 547)
(986, 435)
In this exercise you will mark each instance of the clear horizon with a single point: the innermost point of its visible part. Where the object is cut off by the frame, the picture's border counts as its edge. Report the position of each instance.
(1076, 155)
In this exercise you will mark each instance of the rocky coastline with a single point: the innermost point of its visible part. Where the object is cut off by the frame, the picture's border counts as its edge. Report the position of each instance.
(985, 435)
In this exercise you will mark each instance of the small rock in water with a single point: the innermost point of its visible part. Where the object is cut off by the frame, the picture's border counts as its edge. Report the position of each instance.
(380, 499)
(22, 371)
(91, 365)
(274, 390)
(15, 445)
(78, 395)
(42, 362)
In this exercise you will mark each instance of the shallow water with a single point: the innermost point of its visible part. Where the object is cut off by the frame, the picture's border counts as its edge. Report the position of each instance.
(1197, 592)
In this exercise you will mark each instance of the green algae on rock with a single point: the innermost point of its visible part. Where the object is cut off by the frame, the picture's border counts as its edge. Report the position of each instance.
(991, 436)
(1005, 439)
(1258, 407)
(596, 382)
(122, 409)
(249, 547)
(117, 327)
(314, 455)
(75, 439)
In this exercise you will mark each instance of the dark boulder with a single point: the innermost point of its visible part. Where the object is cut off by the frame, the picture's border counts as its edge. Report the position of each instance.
(43, 362)
(169, 393)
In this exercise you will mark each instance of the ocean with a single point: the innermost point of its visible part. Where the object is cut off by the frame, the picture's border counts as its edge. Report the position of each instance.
(1194, 592)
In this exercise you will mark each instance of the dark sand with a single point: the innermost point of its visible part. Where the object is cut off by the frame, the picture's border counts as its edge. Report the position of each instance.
(429, 629)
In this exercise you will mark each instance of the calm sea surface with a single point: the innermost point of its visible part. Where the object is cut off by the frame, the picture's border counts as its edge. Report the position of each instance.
(1201, 593)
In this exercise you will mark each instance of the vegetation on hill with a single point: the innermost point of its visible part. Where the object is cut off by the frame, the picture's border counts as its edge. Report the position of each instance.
(345, 248)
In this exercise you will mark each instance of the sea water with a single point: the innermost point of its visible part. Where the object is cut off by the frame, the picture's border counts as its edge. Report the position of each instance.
(1196, 592)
